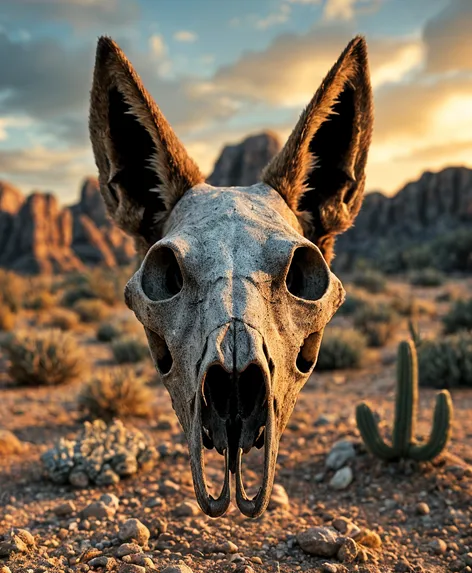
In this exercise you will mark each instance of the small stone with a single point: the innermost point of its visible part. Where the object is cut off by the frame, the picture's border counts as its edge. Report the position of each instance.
(320, 541)
(131, 568)
(348, 551)
(26, 537)
(98, 510)
(14, 545)
(328, 568)
(456, 565)
(128, 549)
(65, 508)
(342, 478)
(467, 558)
(10, 444)
(438, 546)
(5, 569)
(133, 529)
(346, 527)
(179, 567)
(110, 499)
(168, 487)
(422, 508)
(187, 509)
(244, 568)
(279, 497)
(340, 454)
(78, 478)
(101, 561)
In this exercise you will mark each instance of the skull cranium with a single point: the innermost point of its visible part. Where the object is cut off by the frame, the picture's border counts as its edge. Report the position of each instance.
(234, 289)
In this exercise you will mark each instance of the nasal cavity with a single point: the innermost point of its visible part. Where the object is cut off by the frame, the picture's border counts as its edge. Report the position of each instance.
(251, 390)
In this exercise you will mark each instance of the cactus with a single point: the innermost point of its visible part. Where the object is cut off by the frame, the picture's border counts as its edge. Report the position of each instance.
(414, 330)
(403, 444)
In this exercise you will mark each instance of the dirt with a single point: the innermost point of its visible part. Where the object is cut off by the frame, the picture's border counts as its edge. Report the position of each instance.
(418, 510)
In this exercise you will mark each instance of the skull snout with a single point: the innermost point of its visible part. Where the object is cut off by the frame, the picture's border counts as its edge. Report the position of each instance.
(235, 391)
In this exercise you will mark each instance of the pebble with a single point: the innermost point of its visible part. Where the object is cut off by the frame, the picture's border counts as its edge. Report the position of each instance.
(111, 500)
(65, 508)
(328, 568)
(279, 497)
(99, 510)
(180, 567)
(101, 561)
(348, 550)
(438, 546)
(422, 508)
(131, 568)
(346, 527)
(370, 539)
(78, 479)
(342, 478)
(26, 537)
(187, 509)
(320, 541)
(10, 444)
(128, 549)
(224, 546)
(168, 487)
(133, 529)
(5, 569)
(341, 452)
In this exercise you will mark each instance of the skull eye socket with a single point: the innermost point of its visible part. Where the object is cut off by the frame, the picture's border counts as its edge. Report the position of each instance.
(308, 275)
(161, 278)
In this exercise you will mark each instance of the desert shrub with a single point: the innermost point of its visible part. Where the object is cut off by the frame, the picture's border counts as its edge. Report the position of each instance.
(12, 288)
(107, 331)
(73, 295)
(105, 286)
(428, 277)
(378, 321)
(354, 300)
(62, 319)
(341, 348)
(7, 318)
(459, 317)
(46, 358)
(129, 350)
(42, 300)
(371, 280)
(115, 393)
(91, 310)
(446, 362)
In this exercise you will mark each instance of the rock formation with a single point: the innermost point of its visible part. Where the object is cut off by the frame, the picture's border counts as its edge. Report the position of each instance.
(241, 164)
(422, 210)
(37, 236)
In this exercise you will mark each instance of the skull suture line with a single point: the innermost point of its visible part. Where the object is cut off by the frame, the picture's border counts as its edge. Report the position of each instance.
(234, 289)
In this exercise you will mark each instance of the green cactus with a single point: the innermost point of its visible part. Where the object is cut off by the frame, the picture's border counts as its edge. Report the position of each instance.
(403, 440)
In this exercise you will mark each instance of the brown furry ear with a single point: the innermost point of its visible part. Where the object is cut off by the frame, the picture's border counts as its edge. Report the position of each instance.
(320, 170)
(143, 167)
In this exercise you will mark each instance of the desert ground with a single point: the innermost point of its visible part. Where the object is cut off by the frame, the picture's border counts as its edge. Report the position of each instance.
(406, 516)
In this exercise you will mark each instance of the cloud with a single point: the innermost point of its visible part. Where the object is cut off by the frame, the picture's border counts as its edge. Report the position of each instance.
(60, 170)
(158, 46)
(81, 14)
(289, 71)
(448, 39)
(185, 36)
(274, 18)
(7, 122)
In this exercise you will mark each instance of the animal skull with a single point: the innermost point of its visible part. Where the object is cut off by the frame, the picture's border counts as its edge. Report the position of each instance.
(234, 289)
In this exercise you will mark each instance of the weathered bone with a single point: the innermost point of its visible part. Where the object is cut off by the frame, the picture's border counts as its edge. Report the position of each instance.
(234, 289)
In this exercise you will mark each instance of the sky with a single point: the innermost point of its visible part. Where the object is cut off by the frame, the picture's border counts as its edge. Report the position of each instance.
(221, 70)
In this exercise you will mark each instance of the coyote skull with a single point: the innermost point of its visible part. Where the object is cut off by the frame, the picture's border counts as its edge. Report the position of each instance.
(234, 288)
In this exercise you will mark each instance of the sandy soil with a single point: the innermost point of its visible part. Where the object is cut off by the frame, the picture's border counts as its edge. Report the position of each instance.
(386, 498)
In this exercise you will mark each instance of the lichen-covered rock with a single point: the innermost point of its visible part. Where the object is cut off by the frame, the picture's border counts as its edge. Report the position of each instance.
(101, 455)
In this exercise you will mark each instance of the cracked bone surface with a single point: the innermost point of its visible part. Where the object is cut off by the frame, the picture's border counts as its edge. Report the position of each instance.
(234, 288)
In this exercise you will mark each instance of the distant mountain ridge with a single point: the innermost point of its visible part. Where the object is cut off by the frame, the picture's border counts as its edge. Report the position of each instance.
(37, 236)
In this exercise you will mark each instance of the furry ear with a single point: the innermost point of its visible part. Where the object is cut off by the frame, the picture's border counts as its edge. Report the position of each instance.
(143, 167)
(320, 170)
